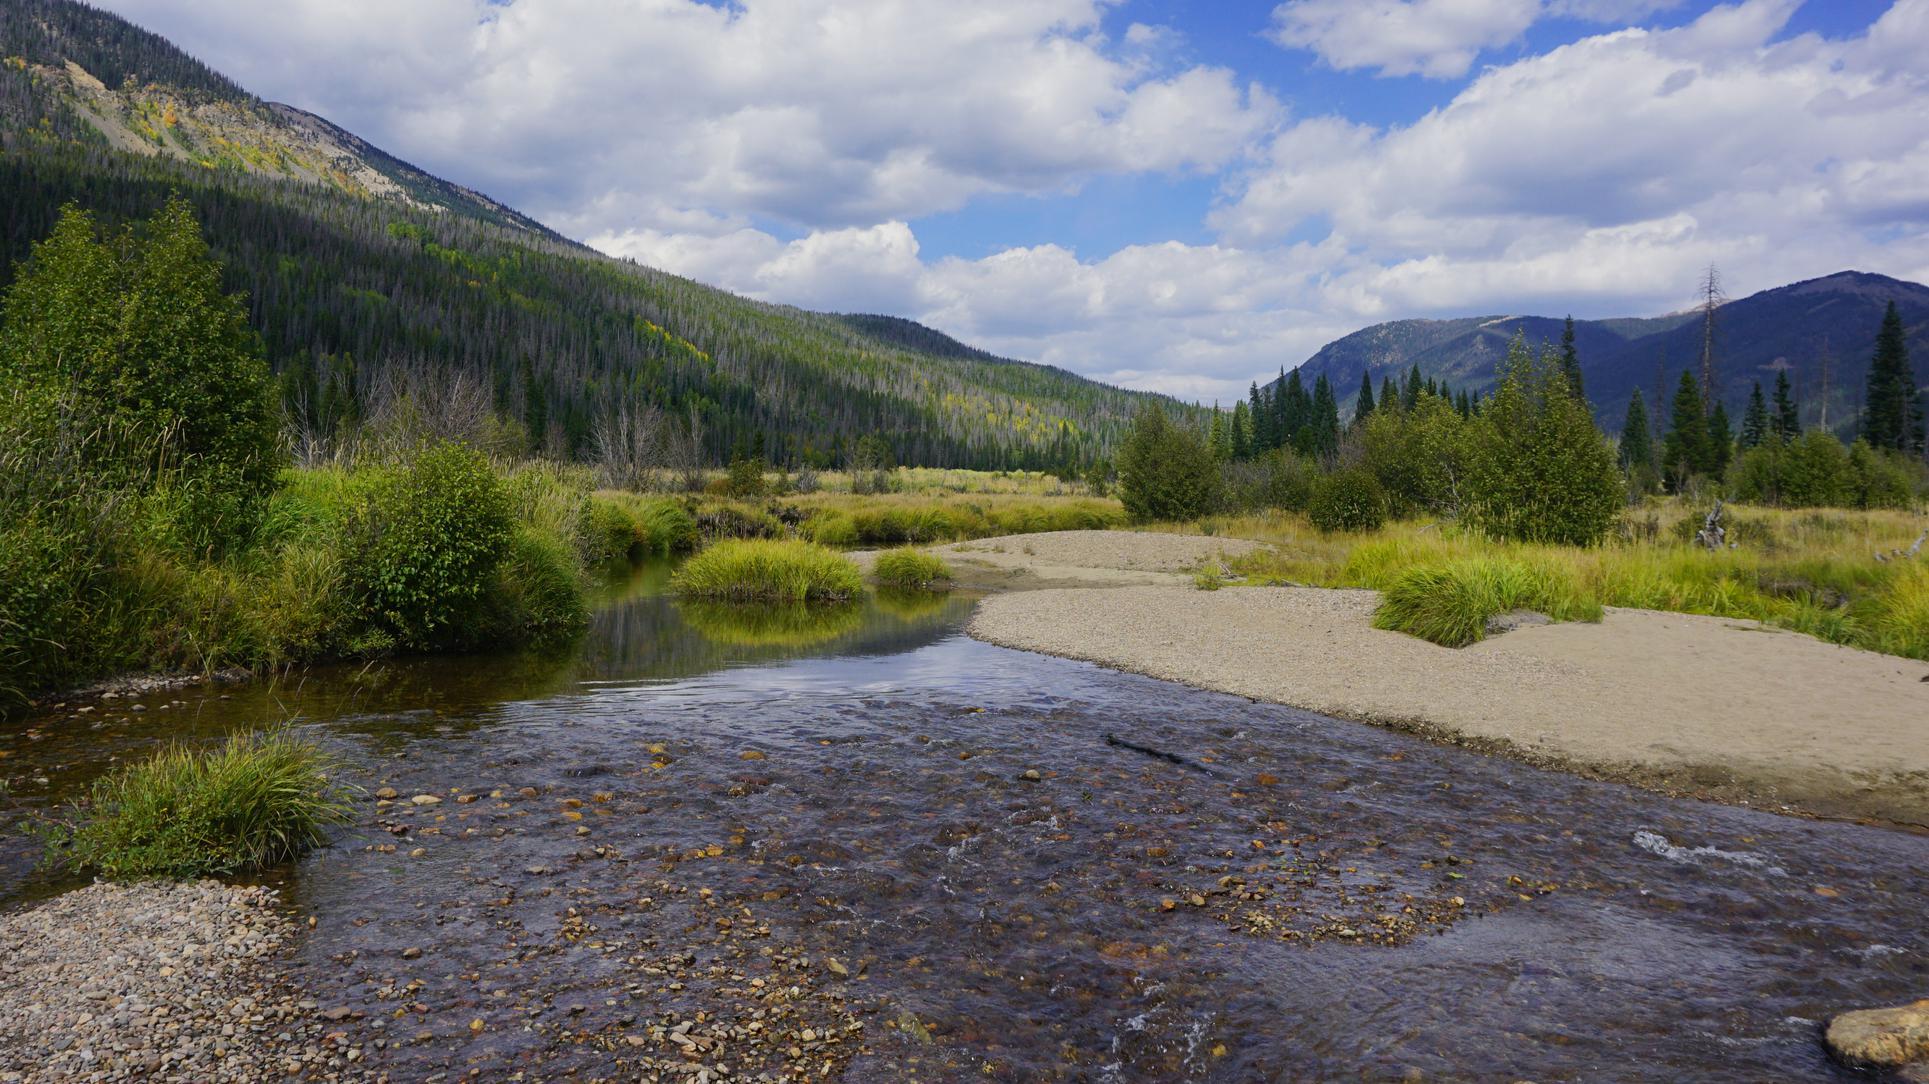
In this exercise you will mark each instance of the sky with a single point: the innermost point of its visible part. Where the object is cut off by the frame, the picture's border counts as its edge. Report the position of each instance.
(1176, 195)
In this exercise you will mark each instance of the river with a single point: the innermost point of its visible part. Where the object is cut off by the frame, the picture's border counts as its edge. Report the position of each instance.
(862, 844)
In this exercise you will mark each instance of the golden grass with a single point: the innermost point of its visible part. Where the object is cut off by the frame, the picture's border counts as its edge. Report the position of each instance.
(1813, 571)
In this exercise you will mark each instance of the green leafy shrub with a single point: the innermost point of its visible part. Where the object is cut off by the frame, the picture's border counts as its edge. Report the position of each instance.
(1537, 468)
(255, 801)
(1166, 472)
(158, 369)
(1450, 604)
(912, 569)
(761, 569)
(426, 546)
(1347, 500)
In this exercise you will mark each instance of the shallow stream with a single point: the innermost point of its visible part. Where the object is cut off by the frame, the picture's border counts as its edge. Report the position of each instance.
(866, 845)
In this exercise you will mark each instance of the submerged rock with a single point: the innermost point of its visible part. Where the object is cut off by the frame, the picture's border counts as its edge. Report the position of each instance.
(1891, 1038)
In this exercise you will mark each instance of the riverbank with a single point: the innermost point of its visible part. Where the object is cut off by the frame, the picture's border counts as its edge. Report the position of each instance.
(1082, 559)
(1711, 707)
(158, 981)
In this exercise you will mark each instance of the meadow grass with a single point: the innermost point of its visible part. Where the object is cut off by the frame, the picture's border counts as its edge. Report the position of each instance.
(911, 569)
(1812, 571)
(1450, 604)
(258, 800)
(768, 570)
(899, 519)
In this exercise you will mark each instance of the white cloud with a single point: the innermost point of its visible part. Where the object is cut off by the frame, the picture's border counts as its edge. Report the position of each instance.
(602, 116)
(1610, 167)
(1435, 38)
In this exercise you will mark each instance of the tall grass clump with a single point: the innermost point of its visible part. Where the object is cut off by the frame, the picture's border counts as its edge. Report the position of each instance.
(255, 801)
(769, 570)
(911, 569)
(1451, 604)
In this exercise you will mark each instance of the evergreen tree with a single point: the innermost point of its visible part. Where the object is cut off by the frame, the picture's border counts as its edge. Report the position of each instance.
(1637, 440)
(1217, 438)
(1294, 410)
(1538, 469)
(1363, 407)
(1262, 419)
(1324, 423)
(1571, 360)
(1389, 395)
(1890, 419)
(1754, 421)
(535, 406)
(1685, 452)
(1464, 404)
(1242, 447)
(1411, 393)
(1721, 441)
(1787, 421)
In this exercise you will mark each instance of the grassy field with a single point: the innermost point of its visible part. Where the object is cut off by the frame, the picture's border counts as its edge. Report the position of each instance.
(1814, 571)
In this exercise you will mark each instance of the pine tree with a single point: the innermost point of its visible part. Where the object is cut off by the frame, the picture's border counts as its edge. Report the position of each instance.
(1571, 361)
(1637, 440)
(1324, 422)
(1411, 393)
(1754, 421)
(1890, 417)
(1262, 420)
(1464, 404)
(1685, 451)
(1242, 447)
(1721, 441)
(1363, 407)
(1389, 395)
(1294, 409)
(1218, 439)
(1787, 421)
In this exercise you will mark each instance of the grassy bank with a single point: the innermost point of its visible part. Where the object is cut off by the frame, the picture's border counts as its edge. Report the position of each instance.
(1811, 571)
(441, 552)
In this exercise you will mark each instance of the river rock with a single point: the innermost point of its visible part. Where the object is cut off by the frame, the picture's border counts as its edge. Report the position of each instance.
(1888, 1038)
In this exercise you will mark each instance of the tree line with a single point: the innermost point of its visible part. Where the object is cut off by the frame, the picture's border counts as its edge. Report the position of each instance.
(1528, 461)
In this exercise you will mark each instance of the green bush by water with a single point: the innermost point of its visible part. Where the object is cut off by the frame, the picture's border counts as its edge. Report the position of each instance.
(767, 570)
(257, 800)
(1347, 500)
(912, 569)
(426, 547)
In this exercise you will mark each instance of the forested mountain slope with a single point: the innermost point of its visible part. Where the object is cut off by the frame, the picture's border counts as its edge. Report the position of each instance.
(359, 267)
(1797, 328)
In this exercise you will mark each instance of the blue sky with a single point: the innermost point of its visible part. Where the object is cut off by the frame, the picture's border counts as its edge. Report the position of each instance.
(1172, 194)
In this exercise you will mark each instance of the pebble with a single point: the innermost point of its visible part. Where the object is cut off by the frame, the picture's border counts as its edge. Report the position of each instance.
(158, 981)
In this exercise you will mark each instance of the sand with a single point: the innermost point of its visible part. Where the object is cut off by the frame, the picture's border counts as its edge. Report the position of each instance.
(1081, 558)
(1713, 707)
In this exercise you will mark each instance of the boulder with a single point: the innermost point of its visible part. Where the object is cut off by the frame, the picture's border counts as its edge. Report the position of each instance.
(1884, 1038)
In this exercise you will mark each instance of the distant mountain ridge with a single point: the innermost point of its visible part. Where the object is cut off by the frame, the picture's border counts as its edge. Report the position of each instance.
(1790, 328)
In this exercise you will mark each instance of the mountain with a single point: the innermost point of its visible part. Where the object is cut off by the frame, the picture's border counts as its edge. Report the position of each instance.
(369, 278)
(1791, 328)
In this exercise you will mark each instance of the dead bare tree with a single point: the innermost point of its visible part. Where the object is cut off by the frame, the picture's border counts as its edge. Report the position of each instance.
(1711, 299)
(631, 443)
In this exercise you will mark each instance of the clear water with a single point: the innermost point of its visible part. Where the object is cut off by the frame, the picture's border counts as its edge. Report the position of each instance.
(1396, 911)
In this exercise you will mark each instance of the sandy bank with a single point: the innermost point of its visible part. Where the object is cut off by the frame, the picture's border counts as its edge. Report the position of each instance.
(1080, 558)
(1710, 706)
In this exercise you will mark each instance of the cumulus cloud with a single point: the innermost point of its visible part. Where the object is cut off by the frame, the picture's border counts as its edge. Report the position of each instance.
(1435, 38)
(1438, 39)
(786, 151)
(611, 115)
(1619, 160)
